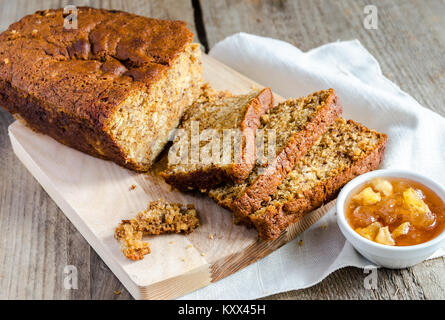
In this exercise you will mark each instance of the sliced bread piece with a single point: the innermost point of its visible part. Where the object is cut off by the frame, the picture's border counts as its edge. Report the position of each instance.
(219, 112)
(346, 150)
(298, 124)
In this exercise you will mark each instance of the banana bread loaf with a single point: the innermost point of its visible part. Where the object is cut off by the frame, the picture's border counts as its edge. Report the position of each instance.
(298, 124)
(217, 119)
(113, 88)
(346, 150)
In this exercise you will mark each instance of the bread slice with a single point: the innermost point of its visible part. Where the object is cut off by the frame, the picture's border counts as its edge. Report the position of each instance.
(160, 217)
(346, 150)
(298, 124)
(220, 112)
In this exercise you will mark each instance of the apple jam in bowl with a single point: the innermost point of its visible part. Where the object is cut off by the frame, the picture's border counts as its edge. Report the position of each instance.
(394, 218)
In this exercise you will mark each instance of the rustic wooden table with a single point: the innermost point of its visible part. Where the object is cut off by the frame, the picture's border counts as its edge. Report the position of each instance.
(37, 241)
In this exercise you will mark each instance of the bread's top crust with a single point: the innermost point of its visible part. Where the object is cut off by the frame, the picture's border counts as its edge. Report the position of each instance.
(90, 70)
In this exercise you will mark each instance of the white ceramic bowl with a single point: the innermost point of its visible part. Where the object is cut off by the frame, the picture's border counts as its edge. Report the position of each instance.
(393, 257)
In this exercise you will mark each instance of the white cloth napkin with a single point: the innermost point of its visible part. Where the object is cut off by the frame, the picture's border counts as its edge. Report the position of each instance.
(416, 141)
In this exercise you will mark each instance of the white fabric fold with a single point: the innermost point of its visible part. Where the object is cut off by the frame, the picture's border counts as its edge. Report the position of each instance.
(416, 141)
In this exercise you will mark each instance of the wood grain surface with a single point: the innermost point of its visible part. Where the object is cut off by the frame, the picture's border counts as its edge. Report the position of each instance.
(37, 241)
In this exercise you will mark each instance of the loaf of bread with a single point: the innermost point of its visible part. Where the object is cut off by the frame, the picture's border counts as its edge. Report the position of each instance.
(113, 87)
(232, 122)
(346, 150)
(298, 124)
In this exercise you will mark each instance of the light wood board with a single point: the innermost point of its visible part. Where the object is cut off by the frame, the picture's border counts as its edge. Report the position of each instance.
(95, 195)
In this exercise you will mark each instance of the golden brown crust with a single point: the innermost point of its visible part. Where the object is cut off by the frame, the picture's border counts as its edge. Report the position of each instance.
(208, 177)
(63, 127)
(276, 218)
(252, 197)
(110, 54)
(68, 83)
(238, 172)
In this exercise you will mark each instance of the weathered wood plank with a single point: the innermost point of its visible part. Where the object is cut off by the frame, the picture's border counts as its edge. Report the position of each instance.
(409, 44)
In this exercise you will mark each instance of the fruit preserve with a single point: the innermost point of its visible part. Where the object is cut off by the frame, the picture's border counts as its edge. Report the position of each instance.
(396, 212)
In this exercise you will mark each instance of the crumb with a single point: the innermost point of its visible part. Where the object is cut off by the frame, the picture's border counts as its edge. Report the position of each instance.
(171, 242)
(259, 20)
(183, 259)
(210, 236)
(133, 186)
(300, 243)
(189, 246)
(117, 292)
(324, 226)
(159, 218)
(203, 254)
(131, 243)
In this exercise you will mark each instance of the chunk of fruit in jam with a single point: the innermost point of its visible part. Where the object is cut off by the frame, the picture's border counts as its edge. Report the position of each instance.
(385, 237)
(382, 185)
(367, 197)
(362, 217)
(401, 230)
(419, 214)
(370, 231)
(388, 210)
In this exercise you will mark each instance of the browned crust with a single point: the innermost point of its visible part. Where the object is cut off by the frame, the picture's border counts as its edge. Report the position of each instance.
(63, 127)
(297, 146)
(89, 71)
(198, 179)
(237, 172)
(277, 218)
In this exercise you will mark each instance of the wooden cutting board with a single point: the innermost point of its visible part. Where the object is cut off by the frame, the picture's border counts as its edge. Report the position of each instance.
(95, 195)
